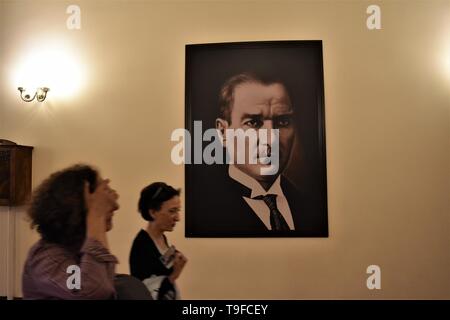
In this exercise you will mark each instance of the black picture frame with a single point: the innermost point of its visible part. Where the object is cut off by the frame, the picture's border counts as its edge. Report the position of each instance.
(208, 199)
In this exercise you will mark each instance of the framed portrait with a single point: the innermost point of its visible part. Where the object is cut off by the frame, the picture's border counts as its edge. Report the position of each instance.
(255, 153)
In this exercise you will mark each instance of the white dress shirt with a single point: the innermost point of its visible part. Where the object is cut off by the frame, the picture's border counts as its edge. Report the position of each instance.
(259, 207)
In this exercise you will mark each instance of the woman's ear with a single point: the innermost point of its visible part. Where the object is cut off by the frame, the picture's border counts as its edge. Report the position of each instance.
(151, 213)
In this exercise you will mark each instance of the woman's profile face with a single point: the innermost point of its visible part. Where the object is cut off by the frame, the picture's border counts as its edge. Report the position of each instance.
(110, 214)
(169, 214)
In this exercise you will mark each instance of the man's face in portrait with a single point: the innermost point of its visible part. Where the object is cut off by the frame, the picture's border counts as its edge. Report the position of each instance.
(260, 106)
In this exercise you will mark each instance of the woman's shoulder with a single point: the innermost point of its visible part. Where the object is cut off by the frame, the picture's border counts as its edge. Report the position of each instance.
(142, 235)
(45, 248)
(43, 254)
(142, 238)
(143, 247)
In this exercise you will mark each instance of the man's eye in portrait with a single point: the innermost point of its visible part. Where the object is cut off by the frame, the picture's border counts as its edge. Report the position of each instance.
(254, 123)
(283, 121)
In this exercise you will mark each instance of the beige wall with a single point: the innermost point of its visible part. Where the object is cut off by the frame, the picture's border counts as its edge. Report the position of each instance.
(387, 120)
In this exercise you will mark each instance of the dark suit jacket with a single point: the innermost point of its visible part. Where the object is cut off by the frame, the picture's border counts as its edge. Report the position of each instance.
(216, 209)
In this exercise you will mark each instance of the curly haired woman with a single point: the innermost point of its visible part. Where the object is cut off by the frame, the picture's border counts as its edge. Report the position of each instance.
(72, 211)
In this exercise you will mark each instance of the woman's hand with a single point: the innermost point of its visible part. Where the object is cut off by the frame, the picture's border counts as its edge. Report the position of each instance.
(102, 201)
(178, 265)
(100, 204)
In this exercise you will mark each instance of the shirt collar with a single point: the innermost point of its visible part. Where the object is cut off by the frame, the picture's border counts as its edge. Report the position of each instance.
(252, 184)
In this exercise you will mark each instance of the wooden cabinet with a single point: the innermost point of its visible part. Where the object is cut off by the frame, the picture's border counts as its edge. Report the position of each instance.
(15, 174)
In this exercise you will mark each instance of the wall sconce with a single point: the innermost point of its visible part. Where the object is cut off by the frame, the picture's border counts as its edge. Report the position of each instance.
(48, 64)
(40, 94)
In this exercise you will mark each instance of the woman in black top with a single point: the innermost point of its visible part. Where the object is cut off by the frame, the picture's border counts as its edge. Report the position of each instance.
(152, 259)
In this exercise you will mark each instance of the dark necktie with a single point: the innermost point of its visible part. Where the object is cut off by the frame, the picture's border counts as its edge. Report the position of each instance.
(277, 221)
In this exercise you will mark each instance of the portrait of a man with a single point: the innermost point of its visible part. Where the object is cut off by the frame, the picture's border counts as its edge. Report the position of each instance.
(267, 185)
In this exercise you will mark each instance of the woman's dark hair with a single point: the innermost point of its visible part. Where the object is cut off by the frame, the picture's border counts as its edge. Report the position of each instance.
(58, 208)
(153, 196)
